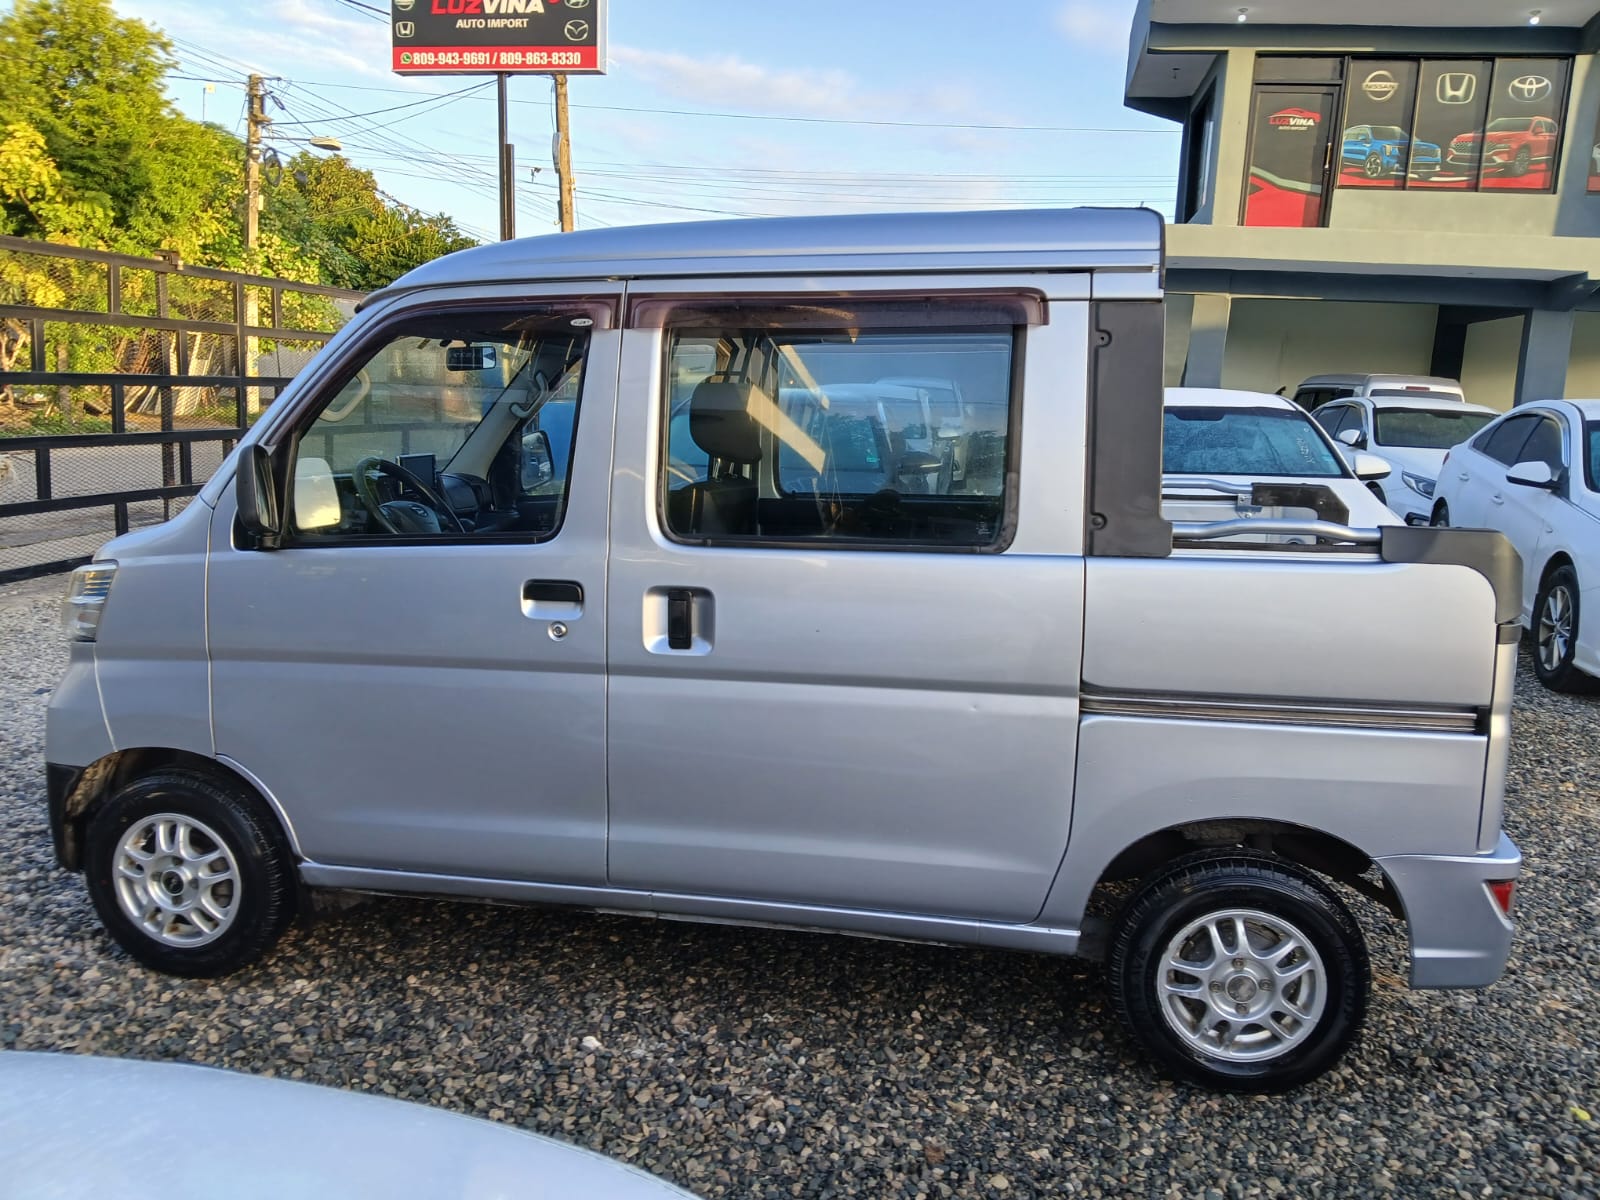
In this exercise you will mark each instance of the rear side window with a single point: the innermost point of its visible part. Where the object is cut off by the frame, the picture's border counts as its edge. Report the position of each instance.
(1504, 442)
(868, 432)
(1591, 436)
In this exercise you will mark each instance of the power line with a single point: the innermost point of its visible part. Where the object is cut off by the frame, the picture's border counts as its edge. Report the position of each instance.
(395, 108)
(366, 10)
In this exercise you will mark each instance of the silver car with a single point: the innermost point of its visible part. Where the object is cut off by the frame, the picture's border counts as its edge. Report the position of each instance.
(839, 598)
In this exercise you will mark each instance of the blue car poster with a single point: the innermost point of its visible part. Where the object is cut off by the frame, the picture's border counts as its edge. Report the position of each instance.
(1376, 148)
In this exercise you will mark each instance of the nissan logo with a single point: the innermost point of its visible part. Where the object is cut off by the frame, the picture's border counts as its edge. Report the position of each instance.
(1530, 89)
(1457, 87)
(1381, 86)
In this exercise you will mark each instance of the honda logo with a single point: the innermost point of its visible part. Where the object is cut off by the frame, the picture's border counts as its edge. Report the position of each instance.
(1381, 86)
(1530, 89)
(1457, 87)
(405, 29)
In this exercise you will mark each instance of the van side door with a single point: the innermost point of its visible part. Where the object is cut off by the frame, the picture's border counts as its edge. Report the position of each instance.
(417, 675)
(847, 627)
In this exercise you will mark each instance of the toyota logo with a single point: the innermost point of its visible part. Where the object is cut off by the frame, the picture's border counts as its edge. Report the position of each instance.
(577, 31)
(1530, 89)
(1381, 86)
(1457, 87)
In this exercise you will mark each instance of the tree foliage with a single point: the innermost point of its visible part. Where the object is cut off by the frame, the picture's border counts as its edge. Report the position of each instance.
(92, 152)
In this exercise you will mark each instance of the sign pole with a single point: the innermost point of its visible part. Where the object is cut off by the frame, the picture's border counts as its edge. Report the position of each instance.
(564, 158)
(508, 167)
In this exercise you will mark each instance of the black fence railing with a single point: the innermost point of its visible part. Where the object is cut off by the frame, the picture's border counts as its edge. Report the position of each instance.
(125, 381)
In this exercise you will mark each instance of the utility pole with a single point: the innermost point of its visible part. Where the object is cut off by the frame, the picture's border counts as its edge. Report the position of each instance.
(256, 123)
(564, 157)
(508, 168)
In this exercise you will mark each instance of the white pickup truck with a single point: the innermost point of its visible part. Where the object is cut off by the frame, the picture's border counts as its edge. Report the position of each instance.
(592, 570)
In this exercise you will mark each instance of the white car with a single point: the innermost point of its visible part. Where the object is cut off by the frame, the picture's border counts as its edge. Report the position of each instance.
(1411, 434)
(1535, 476)
(1219, 444)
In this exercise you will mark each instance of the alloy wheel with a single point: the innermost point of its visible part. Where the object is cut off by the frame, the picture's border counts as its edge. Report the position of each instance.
(1555, 628)
(176, 880)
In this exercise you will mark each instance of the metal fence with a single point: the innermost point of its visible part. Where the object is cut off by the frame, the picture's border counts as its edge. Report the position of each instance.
(125, 381)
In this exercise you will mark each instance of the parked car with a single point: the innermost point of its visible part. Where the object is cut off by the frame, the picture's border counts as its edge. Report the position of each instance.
(686, 684)
(80, 1126)
(1509, 145)
(1412, 435)
(1217, 443)
(1534, 475)
(1321, 389)
(1383, 151)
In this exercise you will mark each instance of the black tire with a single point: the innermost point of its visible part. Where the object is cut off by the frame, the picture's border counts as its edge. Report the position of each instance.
(1214, 882)
(1560, 674)
(259, 897)
(1523, 161)
(1441, 515)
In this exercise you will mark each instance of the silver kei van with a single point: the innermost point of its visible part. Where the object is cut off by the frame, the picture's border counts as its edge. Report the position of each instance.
(590, 570)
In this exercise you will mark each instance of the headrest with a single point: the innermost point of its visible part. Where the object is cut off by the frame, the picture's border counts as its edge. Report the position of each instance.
(722, 421)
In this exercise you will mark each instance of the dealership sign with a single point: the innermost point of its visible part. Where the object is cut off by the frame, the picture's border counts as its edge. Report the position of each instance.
(1295, 118)
(474, 37)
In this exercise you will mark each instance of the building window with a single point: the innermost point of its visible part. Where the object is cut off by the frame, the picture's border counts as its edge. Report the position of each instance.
(1199, 140)
(1446, 124)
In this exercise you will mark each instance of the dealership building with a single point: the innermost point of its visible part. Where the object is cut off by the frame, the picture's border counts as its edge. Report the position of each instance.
(1415, 189)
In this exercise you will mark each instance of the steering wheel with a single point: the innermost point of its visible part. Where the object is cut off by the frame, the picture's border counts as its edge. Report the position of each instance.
(401, 516)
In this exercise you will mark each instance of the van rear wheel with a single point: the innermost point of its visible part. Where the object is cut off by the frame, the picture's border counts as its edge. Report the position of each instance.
(1240, 971)
(188, 874)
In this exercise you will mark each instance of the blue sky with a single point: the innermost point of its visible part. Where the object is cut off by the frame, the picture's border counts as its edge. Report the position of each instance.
(922, 67)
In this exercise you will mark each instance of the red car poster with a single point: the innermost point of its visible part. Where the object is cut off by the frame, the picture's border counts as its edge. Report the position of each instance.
(1289, 146)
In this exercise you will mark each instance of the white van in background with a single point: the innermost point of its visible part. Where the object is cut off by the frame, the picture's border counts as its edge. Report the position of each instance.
(1322, 389)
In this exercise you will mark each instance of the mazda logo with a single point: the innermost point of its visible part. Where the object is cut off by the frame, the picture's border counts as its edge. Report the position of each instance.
(1381, 86)
(1530, 89)
(1457, 87)
(576, 31)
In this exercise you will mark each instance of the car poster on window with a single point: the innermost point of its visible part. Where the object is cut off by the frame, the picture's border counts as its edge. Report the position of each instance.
(1452, 103)
(1375, 148)
(1518, 147)
(1289, 133)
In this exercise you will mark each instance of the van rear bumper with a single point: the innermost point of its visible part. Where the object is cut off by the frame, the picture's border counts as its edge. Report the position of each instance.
(1459, 936)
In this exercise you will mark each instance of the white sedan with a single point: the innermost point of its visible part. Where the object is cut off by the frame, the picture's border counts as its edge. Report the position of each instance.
(1217, 444)
(1535, 476)
(1412, 435)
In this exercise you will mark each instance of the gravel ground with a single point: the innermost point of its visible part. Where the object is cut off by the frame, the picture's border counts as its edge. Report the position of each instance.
(745, 1063)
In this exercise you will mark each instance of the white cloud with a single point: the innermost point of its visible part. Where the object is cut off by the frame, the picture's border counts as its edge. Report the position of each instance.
(732, 82)
(1097, 24)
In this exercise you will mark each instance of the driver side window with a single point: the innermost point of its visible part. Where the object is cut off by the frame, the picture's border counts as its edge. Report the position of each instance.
(454, 427)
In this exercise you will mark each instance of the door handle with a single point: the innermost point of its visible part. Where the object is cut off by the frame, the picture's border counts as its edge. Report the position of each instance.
(1464, 477)
(680, 619)
(552, 600)
(1497, 498)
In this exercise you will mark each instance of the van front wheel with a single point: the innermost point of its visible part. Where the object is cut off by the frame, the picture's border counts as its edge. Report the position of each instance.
(188, 874)
(1240, 971)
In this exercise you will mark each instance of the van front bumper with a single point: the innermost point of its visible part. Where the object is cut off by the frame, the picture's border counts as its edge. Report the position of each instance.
(1459, 936)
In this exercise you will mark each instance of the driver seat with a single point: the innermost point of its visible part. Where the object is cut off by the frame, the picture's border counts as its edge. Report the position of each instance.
(722, 423)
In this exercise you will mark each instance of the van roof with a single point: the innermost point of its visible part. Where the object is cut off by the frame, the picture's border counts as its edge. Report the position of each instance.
(1436, 383)
(1081, 239)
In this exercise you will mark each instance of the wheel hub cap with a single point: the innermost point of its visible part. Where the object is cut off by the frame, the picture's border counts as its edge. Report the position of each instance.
(1555, 629)
(176, 880)
(1242, 985)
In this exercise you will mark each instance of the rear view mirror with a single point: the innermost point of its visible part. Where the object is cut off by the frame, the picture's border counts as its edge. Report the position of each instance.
(256, 497)
(1533, 475)
(1370, 466)
(470, 358)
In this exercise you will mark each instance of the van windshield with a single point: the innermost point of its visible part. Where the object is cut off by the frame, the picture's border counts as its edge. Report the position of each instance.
(1263, 443)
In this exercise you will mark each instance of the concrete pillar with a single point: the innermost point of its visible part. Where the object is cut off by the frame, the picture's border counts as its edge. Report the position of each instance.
(1233, 135)
(1542, 361)
(1208, 341)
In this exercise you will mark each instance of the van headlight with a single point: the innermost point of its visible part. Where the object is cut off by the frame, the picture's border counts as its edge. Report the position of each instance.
(87, 592)
(1420, 484)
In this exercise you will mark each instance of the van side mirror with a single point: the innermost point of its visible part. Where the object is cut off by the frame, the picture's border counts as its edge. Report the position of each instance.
(256, 497)
(538, 462)
(1533, 475)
